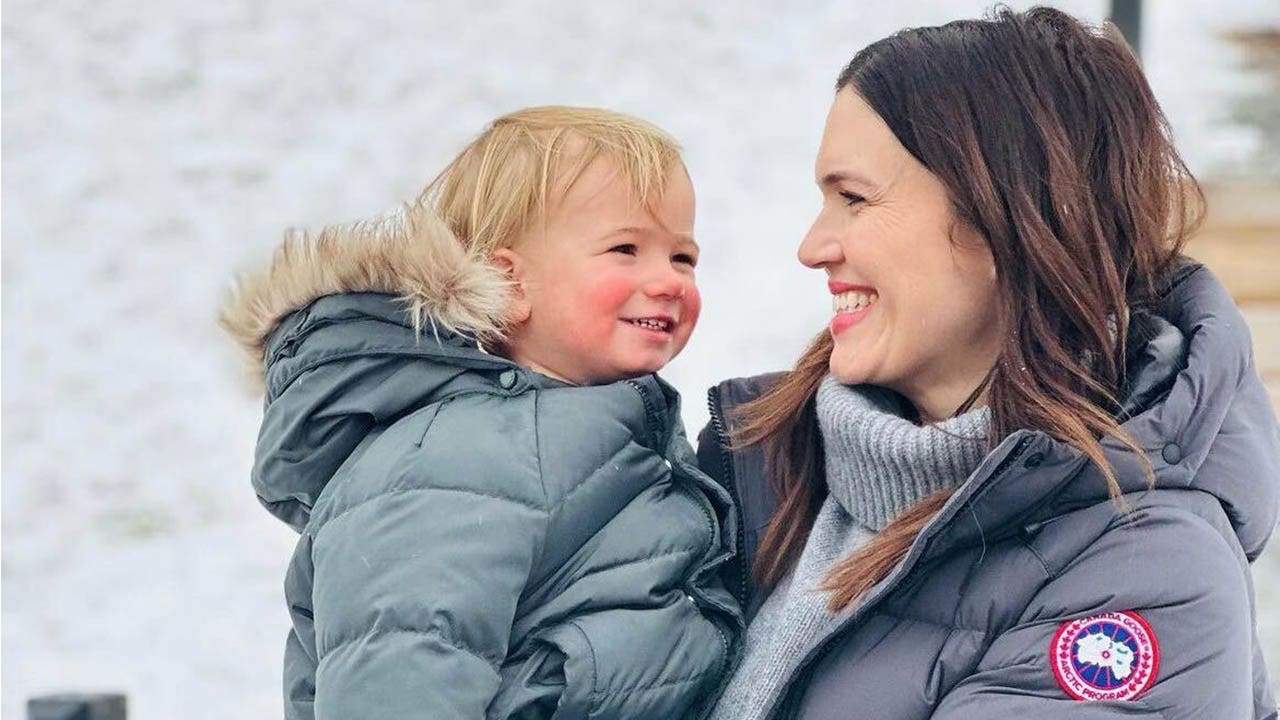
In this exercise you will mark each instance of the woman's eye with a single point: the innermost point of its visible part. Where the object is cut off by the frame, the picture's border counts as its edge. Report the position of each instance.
(851, 198)
(626, 249)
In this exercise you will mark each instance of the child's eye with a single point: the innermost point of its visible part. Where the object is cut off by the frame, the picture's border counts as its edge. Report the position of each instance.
(685, 258)
(851, 198)
(626, 249)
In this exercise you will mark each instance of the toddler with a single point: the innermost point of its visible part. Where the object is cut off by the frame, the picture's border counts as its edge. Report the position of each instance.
(499, 513)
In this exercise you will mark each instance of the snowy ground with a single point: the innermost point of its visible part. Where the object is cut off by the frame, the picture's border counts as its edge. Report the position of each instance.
(150, 148)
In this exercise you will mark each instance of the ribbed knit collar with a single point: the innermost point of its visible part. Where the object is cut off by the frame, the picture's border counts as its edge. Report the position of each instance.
(879, 463)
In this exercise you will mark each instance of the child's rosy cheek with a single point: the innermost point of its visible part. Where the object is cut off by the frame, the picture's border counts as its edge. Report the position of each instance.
(692, 303)
(610, 292)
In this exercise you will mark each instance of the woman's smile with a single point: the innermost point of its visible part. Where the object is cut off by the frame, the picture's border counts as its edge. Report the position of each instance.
(850, 304)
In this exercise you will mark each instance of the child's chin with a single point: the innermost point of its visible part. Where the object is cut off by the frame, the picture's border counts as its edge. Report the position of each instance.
(651, 367)
(630, 371)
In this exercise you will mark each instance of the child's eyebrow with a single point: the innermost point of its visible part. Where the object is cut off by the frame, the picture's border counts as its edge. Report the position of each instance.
(630, 230)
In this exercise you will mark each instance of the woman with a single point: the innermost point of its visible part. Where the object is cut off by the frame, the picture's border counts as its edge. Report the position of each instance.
(1024, 471)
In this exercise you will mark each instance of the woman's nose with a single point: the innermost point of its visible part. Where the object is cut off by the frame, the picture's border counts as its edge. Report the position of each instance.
(821, 245)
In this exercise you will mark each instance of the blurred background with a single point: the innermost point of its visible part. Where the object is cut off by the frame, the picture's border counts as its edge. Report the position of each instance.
(152, 148)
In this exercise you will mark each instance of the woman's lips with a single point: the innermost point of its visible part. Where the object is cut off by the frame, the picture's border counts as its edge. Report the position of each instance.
(844, 320)
(836, 287)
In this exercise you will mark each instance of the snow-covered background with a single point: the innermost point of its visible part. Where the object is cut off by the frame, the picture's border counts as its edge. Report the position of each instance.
(150, 148)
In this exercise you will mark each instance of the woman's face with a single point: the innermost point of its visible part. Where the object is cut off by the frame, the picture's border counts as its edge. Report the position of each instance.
(913, 291)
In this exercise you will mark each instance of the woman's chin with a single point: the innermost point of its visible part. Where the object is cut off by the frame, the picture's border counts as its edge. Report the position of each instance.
(847, 373)
(859, 369)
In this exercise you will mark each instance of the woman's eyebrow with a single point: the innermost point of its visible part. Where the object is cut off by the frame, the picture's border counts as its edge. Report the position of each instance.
(832, 179)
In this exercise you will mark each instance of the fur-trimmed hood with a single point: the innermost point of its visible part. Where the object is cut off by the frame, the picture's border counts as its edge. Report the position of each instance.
(352, 329)
(411, 254)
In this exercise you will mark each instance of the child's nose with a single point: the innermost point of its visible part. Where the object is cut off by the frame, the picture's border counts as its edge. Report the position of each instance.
(666, 283)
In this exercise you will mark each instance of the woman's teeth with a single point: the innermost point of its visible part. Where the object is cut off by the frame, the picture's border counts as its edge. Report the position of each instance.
(651, 323)
(853, 301)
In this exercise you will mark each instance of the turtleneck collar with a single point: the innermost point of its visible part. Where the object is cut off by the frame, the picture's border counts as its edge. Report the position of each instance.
(879, 463)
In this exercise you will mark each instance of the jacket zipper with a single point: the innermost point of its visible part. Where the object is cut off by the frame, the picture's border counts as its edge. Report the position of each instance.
(695, 594)
(727, 649)
(726, 466)
(692, 591)
(731, 656)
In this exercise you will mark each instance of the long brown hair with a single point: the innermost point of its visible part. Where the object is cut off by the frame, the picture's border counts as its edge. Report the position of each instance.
(1051, 145)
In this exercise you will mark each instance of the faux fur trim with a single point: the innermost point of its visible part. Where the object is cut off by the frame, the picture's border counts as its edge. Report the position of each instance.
(411, 253)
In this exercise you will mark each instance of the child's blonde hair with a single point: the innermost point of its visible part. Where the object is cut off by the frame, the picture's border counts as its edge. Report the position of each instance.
(509, 176)
(433, 252)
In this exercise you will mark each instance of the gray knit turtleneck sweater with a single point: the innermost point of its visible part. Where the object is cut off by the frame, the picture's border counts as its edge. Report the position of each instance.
(878, 464)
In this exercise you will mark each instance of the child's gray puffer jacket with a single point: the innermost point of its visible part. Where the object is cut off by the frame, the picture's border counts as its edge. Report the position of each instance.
(477, 540)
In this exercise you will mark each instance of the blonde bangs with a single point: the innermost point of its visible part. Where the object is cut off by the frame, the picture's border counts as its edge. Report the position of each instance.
(508, 177)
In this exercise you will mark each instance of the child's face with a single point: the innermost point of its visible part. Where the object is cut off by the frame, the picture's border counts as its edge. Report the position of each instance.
(607, 290)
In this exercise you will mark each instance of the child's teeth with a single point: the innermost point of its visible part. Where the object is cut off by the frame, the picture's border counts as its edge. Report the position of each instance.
(652, 324)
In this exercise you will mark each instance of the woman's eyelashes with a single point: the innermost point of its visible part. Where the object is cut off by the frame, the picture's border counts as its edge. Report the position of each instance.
(851, 198)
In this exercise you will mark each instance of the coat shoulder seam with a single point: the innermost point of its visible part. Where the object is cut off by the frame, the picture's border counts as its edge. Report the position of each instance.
(422, 489)
(435, 633)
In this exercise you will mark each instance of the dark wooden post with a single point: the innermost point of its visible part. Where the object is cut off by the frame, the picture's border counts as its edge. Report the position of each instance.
(1127, 16)
(77, 706)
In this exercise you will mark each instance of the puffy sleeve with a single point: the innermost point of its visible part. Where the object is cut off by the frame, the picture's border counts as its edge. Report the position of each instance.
(1154, 619)
(415, 592)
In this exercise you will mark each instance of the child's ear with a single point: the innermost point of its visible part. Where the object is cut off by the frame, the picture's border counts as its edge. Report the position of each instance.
(512, 265)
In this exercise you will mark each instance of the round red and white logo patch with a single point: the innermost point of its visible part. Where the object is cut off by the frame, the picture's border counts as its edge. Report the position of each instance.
(1112, 656)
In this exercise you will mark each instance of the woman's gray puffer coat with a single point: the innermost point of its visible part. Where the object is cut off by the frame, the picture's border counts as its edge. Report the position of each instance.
(477, 540)
(1031, 594)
